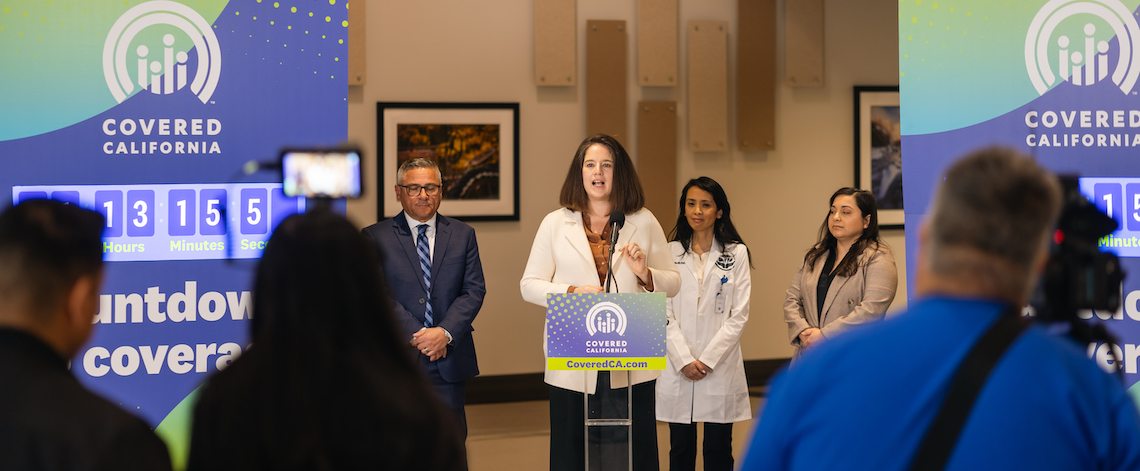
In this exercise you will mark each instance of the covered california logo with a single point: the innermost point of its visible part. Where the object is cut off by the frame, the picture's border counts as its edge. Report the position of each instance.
(160, 68)
(606, 317)
(1080, 58)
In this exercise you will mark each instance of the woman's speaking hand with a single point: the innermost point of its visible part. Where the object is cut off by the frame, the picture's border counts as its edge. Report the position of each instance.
(636, 259)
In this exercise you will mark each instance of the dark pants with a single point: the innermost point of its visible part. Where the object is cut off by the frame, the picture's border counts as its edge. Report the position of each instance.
(607, 444)
(453, 395)
(683, 447)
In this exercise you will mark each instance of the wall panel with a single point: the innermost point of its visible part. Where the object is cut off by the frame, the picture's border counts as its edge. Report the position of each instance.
(657, 158)
(357, 52)
(804, 43)
(606, 78)
(756, 75)
(657, 43)
(555, 42)
(708, 86)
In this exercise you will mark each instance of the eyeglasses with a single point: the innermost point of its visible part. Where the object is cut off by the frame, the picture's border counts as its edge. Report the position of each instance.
(414, 190)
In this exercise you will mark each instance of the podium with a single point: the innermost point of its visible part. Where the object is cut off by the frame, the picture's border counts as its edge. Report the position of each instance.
(611, 335)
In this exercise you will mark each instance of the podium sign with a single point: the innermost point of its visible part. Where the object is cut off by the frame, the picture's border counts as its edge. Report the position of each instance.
(598, 331)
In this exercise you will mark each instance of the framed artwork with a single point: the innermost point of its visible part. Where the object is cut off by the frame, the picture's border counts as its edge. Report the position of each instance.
(878, 151)
(476, 146)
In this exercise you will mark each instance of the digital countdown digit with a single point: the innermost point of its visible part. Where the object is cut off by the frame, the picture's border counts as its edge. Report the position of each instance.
(178, 222)
(1119, 198)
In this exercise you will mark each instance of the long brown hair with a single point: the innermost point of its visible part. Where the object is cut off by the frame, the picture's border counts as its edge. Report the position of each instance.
(825, 241)
(627, 195)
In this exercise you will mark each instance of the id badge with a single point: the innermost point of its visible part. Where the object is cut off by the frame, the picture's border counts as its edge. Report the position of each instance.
(720, 296)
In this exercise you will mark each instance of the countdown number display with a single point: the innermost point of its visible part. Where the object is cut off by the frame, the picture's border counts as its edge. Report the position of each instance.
(178, 222)
(1119, 198)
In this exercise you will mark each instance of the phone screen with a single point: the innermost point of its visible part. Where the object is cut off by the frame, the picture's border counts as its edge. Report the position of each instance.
(324, 174)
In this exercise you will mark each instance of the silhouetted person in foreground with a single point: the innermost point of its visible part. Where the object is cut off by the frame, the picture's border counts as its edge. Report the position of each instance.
(328, 383)
(866, 400)
(51, 267)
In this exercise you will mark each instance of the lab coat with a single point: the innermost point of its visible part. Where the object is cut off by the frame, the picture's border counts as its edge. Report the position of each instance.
(707, 330)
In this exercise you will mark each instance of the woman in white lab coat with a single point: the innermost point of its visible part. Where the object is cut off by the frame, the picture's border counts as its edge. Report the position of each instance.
(704, 378)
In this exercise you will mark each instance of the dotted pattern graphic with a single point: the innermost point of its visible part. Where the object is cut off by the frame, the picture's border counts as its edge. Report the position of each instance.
(310, 29)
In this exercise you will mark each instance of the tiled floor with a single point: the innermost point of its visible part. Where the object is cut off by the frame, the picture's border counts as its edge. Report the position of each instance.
(516, 436)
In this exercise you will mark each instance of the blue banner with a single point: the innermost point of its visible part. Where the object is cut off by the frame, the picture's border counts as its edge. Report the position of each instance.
(1054, 79)
(146, 112)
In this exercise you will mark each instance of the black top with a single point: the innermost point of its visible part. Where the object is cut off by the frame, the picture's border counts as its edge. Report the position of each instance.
(364, 415)
(824, 284)
(48, 421)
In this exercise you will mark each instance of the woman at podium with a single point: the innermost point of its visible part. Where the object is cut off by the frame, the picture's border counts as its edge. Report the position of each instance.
(847, 278)
(704, 378)
(569, 256)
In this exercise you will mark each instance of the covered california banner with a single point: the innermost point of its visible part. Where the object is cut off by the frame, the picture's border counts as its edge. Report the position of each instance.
(146, 112)
(1054, 79)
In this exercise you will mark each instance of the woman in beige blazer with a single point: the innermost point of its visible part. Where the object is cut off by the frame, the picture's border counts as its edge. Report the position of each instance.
(568, 257)
(847, 278)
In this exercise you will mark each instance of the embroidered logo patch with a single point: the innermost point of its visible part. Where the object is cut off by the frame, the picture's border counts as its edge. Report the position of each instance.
(726, 262)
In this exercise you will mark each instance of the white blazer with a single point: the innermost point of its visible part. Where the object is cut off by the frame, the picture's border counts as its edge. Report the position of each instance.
(561, 257)
(707, 330)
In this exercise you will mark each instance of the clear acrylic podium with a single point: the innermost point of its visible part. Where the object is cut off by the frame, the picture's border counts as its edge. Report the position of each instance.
(608, 413)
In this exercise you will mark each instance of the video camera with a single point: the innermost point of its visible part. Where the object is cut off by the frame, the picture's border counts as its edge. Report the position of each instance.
(1078, 276)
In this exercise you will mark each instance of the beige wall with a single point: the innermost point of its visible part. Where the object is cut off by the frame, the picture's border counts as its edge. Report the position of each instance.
(455, 51)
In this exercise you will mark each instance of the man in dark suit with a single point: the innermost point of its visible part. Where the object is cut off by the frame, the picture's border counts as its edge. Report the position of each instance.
(420, 240)
(51, 264)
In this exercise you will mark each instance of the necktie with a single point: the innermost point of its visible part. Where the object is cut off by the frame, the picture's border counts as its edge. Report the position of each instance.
(425, 266)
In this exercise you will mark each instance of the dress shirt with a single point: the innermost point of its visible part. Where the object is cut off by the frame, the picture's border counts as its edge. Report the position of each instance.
(430, 234)
(412, 223)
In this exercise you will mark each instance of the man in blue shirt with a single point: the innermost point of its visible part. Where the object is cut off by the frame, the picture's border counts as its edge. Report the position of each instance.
(866, 399)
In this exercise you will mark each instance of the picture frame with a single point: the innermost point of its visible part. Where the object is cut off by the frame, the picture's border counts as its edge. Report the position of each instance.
(878, 150)
(475, 144)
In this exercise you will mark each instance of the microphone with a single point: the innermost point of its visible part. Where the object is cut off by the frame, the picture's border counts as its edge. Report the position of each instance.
(617, 220)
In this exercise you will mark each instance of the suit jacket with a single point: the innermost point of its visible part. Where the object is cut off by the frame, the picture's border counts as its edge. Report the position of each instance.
(561, 257)
(457, 285)
(862, 297)
(48, 421)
